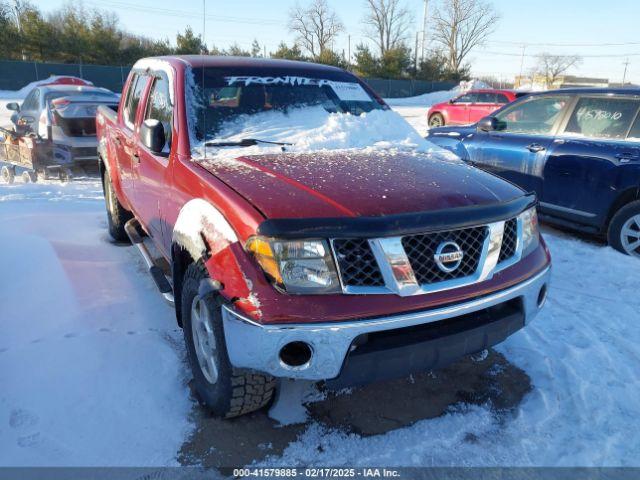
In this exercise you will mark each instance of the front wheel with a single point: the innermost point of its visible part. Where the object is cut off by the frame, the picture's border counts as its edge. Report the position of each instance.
(8, 174)
(117, 215)
(436, 120)
(225, 390)
(624, 229)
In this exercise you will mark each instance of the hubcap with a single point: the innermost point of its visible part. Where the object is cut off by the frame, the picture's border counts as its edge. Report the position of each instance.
(204, 340)
(630, 236)
(436, 122)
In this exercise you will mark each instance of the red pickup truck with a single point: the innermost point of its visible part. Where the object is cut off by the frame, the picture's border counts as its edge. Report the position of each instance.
(303, 230)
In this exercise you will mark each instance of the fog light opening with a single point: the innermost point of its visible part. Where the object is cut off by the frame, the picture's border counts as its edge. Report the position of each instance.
(296, 354)
(542, 296)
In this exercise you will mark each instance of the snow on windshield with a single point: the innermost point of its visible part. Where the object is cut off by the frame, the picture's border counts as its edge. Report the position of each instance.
(314, 129)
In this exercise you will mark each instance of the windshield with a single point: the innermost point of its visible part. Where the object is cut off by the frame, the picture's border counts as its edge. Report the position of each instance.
(225, 96)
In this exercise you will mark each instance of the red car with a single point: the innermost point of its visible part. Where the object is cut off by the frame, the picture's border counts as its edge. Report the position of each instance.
(469, 107)
(342, 264)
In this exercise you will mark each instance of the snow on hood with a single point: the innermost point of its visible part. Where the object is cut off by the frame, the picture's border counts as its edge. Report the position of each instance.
(313, 129)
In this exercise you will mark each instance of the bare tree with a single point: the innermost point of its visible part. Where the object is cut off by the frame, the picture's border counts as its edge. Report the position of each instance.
(462, 25)
(387, 23)
(550, 67)
(316, 26)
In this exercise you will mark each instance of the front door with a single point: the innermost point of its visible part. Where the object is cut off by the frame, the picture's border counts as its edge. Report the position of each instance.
(583, 165)
(516, 151)
(152, 168)
(458, 110)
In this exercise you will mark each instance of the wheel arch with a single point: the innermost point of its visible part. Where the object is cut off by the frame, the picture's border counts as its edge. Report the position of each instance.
(627, 196)
(200, 232)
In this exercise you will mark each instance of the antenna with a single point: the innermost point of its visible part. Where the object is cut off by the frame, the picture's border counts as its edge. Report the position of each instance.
(624, 75)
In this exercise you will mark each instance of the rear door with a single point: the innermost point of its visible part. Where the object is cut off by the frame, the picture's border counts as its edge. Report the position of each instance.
(516, 151)
(124, 137)
(152, 171)
(581, 174)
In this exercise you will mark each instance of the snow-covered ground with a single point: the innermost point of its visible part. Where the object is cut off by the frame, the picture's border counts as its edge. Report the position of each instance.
(90, 357)
(92, 372)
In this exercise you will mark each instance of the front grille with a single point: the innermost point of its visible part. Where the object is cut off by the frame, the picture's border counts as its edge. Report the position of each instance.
(358, 266)
(420, 250)
(509, 240)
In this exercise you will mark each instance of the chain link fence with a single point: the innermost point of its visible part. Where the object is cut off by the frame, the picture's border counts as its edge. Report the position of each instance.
(16, 74)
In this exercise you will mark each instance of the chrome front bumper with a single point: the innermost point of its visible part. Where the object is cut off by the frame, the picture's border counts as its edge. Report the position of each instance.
(254, 346)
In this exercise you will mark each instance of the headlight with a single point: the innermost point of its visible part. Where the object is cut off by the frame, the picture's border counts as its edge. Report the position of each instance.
(530, 233)
(299, 266)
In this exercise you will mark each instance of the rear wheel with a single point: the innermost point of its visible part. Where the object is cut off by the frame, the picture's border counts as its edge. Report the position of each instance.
(29, 176)
(117, 215)
(624, 229)
(436, 120)
(225, 390)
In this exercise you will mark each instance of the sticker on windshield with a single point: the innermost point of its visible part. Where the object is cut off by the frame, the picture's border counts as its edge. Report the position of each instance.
(350, 92)
(346, 91)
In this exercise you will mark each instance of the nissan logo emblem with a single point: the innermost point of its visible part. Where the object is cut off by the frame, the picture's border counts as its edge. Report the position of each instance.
(448, 256)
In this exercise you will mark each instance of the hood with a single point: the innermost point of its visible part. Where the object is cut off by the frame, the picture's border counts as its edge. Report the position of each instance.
(357, 183)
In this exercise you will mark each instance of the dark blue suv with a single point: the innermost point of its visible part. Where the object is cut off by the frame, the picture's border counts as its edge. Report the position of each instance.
(578, 149)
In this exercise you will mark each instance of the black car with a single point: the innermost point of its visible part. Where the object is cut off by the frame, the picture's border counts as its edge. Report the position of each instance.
(578, 149)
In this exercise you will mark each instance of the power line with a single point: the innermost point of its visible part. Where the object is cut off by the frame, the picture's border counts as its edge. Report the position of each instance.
(534, 44)
(510, 54)
(184, 14)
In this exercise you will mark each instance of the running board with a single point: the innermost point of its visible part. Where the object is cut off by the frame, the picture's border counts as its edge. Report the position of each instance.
(160, 279)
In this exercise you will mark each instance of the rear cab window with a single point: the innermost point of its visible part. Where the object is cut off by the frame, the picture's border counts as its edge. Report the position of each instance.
(602, 117)
(133, 96)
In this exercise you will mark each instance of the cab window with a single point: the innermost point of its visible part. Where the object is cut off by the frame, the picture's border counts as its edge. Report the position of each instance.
(501, 98)
(607, 118)
(31, 102)
(134, 93)
(466, 98)
(535, 116)
(486, 98)
(159, 106)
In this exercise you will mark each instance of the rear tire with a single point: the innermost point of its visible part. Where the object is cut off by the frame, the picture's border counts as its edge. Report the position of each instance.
(624, 229)
(436, 120)
(29, 177)
(117, 215)
(225, 390)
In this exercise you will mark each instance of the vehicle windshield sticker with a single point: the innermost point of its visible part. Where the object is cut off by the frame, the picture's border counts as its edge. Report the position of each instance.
(346, 91)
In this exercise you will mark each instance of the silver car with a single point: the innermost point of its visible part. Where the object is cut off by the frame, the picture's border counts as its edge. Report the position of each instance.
(65, 115)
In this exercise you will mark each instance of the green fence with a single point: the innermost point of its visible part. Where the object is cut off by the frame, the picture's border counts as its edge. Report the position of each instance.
(15, 74)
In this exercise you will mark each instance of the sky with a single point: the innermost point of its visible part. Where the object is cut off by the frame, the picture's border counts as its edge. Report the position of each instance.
(603, 33)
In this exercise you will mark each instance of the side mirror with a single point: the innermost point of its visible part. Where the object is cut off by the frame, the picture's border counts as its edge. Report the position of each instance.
(452, 101)
(488, 124)
(15, 106)
(152, 135)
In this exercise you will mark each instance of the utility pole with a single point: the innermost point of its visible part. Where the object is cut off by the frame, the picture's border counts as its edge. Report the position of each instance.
(524, 48)
(415, 57)
(424, 29)
(204, 26)
(624, 75)
(264, 47)
(16, 8)
(349, 50)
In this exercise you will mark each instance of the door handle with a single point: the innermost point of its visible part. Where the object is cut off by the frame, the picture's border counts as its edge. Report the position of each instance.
(135, 157)
(535, 148)
(625, 157)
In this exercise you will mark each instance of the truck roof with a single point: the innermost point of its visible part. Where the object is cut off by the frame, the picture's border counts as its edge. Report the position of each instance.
(258, 63)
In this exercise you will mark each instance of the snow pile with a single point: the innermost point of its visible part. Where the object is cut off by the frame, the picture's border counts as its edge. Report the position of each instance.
(91, 359)
(583, 356)
(314, 129)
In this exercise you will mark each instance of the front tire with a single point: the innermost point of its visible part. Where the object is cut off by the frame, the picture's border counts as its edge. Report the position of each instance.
(225, 390)
(8, 174)
(624, 229)
(117, 215)
(436, 120)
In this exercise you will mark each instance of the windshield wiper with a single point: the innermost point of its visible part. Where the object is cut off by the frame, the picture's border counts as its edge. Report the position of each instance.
(245, 142)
